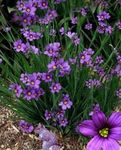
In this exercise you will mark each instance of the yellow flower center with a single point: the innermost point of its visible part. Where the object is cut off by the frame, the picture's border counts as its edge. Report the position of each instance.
(104, 132)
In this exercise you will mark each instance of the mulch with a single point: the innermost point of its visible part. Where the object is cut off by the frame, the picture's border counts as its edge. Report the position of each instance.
(11, 138)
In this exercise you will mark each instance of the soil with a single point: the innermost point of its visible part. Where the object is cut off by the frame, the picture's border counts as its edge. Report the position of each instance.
(11, 138)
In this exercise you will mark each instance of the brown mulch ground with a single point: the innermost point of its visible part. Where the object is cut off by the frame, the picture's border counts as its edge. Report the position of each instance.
(11, 138)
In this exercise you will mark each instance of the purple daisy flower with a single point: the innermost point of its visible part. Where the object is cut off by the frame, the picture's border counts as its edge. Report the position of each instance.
(55, 87)
(43, 4)
(62, 30)
(88, 26)
(52, 65)
(65, 103)
(25, 126)
(105, 131)
(20, 5)
(16, 88)
(48, 115)
(24, 77)
(19, 46)
(103, 16)
(52, 50)
(74, 20)
(63, 122)
(47, 77)
(83, 11)
(29, 8)
(60, 113)
(33, 81)
(118, 93)
(29, 93)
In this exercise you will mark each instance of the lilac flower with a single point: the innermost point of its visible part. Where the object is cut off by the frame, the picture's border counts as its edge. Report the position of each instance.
(65, 103)
(29, 93)
(52, 65)
(62, 30)
(74, 20)
(105, 131)
(99, 60)
(63, 122)
(47, 77)
(52, 50)
(64, 67)
(20, 5)
(109, 30)
(85, 56)
(24, 77)
(117, 70)
(48, 115)
(103, 16)
(118, 57)
(34, 49)
(29, 8)
(19, 46)
(88, 26)
(17, 89)
(102, 27)
(93, 83)
(37, 93)
(55, 87)
(74, 37)
(59, 113)
(118, 25)
(43, 4)
(96, 108)
(33, 81)
(25, 126)
(118, 93)
(84, 11)
(30, 35)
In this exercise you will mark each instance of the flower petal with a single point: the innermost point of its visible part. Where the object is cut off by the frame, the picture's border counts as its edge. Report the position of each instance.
(115, 133)
(115, 119)
(99, 119)
(95, 143)
(110, 144)
(87, 128)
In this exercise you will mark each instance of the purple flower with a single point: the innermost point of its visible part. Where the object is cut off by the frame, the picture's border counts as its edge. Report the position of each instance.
(30, 35)
(117, 70)
(109, 30)
(63, 122)
(47, 77)
(74, 20)
(19, 46)
(118, 25)
(105, 131)
(65, 103)
(64, 67)
(84, 11)
(48, 115)
(16, 88)
(52, 50)
(24, 78)
(118, 57)
(29, 8)
(29, 93)
(62, 30)
(91, 83)
(55, 87)
(33, 81)
(88, 26)
(96, 108)
(34, 49)
(25, 126)
(103, 16)
(59, 113)
(102, 27)
(43, 4)
(74, 37)
(118, 93)
(85, 56)
(52, 65)
(20, 5)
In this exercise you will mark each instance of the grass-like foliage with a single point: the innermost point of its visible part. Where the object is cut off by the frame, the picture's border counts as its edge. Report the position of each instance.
(60, 59)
